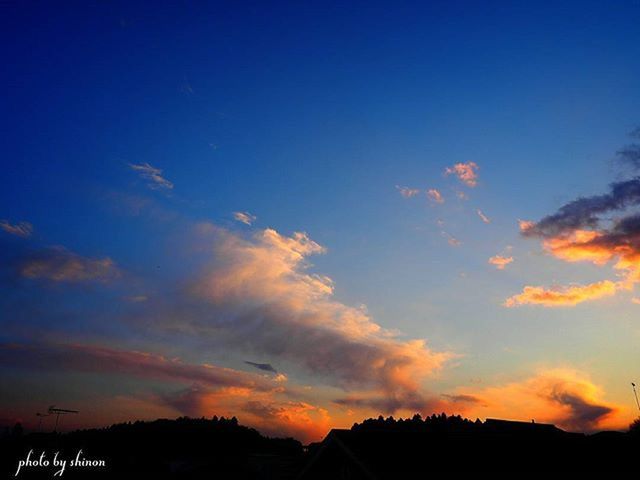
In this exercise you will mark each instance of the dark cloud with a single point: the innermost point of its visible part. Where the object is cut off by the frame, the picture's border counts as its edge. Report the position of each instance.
(586, 211)
(629, 155)
(97, 359)
(267, 367)
(389, 404)
(461, 398)
(584, 415)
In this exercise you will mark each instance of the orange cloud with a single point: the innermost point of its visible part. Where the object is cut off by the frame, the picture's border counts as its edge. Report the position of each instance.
(435, 195)
(407, 192)
(500, 262)
(525, 225)
(584, 246)
(562, 296)
(563, 396)
(466, 173)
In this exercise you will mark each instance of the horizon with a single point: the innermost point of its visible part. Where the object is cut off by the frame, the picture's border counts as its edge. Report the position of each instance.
(306, 215)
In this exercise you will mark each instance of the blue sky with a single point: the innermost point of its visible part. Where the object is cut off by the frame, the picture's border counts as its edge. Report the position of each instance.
(308, 115)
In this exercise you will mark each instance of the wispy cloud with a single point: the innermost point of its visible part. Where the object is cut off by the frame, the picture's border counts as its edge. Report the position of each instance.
(435, 196)
(20, 229)
(57, 264)
(100, 359)
(482, 216)
(467, 173)
(407, 192)
(500, 262)
(153, 175)
(244, 217)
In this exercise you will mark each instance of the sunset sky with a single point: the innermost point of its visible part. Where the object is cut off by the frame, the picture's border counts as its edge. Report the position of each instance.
(304, 214)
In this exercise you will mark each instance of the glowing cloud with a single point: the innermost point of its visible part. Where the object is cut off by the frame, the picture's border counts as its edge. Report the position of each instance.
(467, 173)
(153, 175)
(435, 196)
(407, 192)
(500, 262)
(562, 296)
(563, 396)
(20, 229)
(525, 225)
(244, 217)
(268, 301)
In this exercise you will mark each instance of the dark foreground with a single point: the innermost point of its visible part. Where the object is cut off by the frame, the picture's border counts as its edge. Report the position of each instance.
(375, 449)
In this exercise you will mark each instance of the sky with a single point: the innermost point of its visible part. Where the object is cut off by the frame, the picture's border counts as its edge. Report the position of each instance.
(305, 214)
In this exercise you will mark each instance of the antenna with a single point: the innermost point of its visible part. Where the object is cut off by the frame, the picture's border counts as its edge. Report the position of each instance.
(58, 412)
(40, 420)
(635, 394)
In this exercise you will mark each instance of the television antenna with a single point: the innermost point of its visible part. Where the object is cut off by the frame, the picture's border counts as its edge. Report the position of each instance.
(57, 412)
(635, 394)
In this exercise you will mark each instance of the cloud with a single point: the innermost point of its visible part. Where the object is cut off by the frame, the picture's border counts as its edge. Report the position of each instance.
(620, 243)
(267, 367)
(562, 296)
(435, 195)
(586, 211)
(500, 262)
(244, 217)
(106, 360)
(630, 154)
(20, 229)
(483, 217)
(563, 396)
(272, 416)
(598, 229)
(461, 398)
(407, 192)
(467, 173)
(451, 240)
(57, 264)
(153, 175)
(205, 389)
(525, 225)
(390, 404)
(259, 296)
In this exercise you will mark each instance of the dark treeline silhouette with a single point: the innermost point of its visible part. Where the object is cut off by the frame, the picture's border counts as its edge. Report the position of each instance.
(182, 448)
(373, 449)
(386, 448)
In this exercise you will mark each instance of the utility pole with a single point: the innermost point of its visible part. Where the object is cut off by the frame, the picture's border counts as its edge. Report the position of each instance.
(635, 394)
